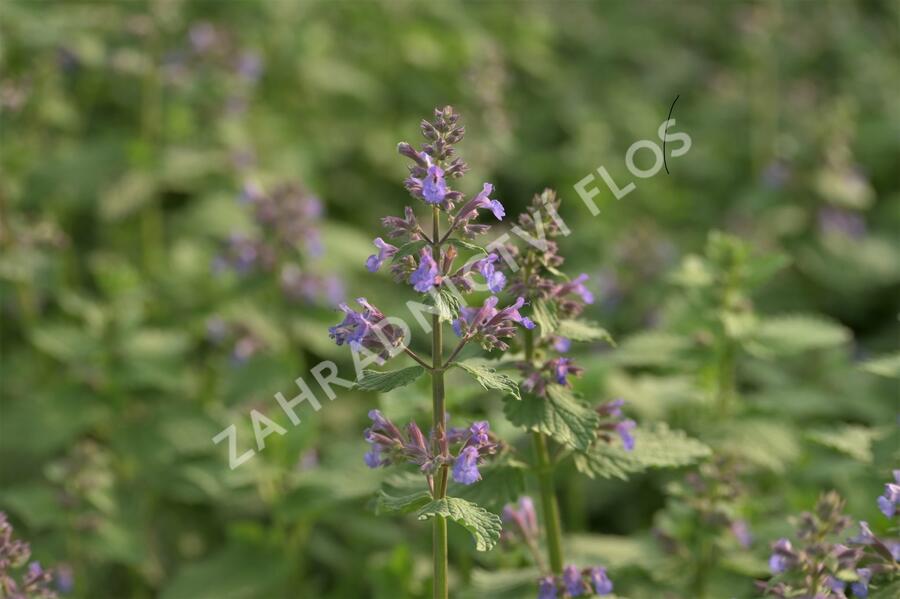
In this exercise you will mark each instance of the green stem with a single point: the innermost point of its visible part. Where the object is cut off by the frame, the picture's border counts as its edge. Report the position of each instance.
(439, 416)
(544, 471)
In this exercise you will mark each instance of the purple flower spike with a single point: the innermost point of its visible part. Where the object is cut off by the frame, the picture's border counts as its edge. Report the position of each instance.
(547, 588)
(426, 276)
(465, 468)
(572, 580)
(602, 584)
(624, 429)
(385, 251)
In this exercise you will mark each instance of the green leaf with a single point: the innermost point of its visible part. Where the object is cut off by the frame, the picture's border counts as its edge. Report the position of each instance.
(408, 249)
(489, 378)
(403, 504)
(652, 348)
(373, 380)
(447, 303)
(584, 330)
(654, 447)
(544, 314)
(887, 365)
(484, 526)
(560, 415)
(465, 245)
(793, 334)
(853, 440)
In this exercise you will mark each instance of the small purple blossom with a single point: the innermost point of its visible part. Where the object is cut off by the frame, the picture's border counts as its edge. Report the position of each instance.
(490, 325)
(780, 560)
(427, 275)
(888, 502)
(561, 344)
(482, 200)
(601, 582)
(561, 369)
(860, 588)
(741, 532)
(624, 429)
(523, 516)
(434, 188)
(547, 588)
(573, 581)
(385, 251)
(465, 467)
(495, 279)
(367, 329)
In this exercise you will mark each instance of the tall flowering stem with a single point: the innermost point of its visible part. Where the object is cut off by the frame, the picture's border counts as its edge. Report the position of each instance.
(439, 417)
(549, 502)
(426, 262)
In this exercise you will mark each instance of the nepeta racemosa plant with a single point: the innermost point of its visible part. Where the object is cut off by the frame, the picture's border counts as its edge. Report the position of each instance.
(427, 262)
(561, 424)
(820, 564)
(34, 581)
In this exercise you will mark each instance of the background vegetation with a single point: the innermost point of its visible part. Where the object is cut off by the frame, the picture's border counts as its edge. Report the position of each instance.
(129, 130)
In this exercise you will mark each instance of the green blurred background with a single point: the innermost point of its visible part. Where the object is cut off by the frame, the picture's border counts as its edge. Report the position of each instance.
(130, 128)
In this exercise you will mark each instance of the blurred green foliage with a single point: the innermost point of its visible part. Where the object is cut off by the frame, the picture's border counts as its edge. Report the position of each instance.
(128, 130)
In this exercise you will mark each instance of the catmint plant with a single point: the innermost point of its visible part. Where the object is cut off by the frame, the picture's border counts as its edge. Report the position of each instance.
(21, 578)
(822, 562)
(546, 370)
(424, 258)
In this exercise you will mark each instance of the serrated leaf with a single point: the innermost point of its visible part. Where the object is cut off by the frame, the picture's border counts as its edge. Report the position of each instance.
(544, 314)
(372, 380)
(655, 447)
(465, 245)
(652, 348)
(447, 303)
(484, 526)
(742, 438)
(853, 440)
(403, 504)
(408, 249)
(560, 415)
(584, 330)
(887, 365)
(785, 335)
(489, 378)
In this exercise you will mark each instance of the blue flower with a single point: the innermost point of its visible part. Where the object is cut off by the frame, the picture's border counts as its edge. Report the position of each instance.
(861, 587)
(528, 323)
(561, 368)
(495, 279)
(888, 502)
(624, 429)
(434, 187)
(561, 344)
(573, 582)
(425, 277)
(602, 584)
(479, 433)
(779, 561)
(482, 200)
(547, 588)
(465, 467)
(385, 251)
(373, 457)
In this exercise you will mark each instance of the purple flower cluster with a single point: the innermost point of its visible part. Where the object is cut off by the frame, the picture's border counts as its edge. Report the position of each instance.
(553, 371)
(844, 566)
(287, 219)
(612, 421)
(576, 583)
(888, 502)
(521, 520)
(34, 582)
(368, 329)
(244, 341)
(391, 446)
(424, 266)
(488, 325)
